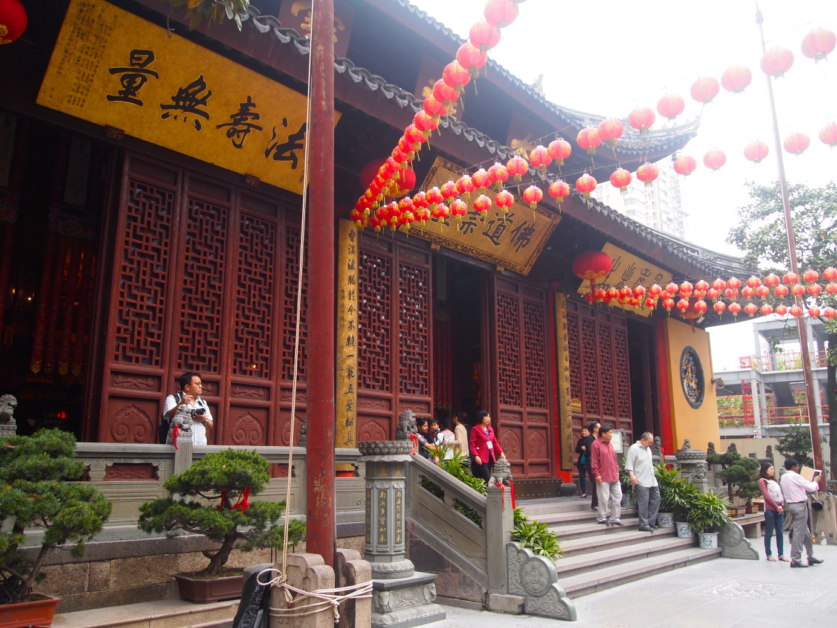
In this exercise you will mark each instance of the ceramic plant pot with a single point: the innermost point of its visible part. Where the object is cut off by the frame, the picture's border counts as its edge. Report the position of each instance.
(665, 520)
(206, 590)
(683, 530)
(708, 540)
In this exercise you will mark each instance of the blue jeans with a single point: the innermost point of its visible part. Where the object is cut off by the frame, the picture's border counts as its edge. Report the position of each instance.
(774, 521)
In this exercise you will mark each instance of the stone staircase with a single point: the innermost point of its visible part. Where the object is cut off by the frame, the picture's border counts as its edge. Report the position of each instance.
(597, 557)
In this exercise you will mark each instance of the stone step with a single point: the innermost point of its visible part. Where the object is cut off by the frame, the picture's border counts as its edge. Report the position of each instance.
(162, 613)
(573, 516)
(592, 529)
(616, 538)
(601, 579)
(535, 507)
(585, 563)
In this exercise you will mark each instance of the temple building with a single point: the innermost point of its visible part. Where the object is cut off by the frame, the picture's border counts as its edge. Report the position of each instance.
(150, 211)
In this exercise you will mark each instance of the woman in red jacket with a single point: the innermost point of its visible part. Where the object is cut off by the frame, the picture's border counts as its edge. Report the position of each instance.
(485, 450)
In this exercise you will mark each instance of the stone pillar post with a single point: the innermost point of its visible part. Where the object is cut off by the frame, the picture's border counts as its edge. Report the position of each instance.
(309, 573)
(693, 465)
(499, 522)
(754, 386)
(183, 453)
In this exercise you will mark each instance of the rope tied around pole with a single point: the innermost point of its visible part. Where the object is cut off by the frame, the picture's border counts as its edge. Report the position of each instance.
(328, 598)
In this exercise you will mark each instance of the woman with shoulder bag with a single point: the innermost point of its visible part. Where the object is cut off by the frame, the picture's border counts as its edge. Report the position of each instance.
(774, 511)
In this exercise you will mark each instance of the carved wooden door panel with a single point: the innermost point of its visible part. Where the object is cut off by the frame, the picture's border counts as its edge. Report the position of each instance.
(394, 335)
(600, 377)
(522, 372)
(207, 283)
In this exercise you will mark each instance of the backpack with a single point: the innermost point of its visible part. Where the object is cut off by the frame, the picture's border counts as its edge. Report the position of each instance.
(163, 426)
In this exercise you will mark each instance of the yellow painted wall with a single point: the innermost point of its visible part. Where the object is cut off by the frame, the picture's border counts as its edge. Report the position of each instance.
(701, 425)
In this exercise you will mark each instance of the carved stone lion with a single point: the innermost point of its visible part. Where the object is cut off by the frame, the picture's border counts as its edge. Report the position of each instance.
(406, 425)
(501, 473)
(732, 448)
(710, 450)
(8, 403)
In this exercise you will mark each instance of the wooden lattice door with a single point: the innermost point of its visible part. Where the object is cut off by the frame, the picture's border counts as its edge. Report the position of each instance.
(521, 372)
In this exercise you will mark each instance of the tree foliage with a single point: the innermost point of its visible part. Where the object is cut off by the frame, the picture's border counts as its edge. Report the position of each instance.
(738, 472)
(761, 234)
(40, 490)
(209, 499)
(796, 443)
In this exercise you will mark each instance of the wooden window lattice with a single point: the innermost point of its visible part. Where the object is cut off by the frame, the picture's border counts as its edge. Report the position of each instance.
(623, 376)
(534, 338)
(508, 349)
(590, 366)
(292, 243)
(374, 321)
(607, 385)
(413, 330)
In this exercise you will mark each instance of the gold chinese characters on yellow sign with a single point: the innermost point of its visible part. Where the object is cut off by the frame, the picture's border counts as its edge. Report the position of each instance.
(513, 243)
(628, 270)
(113, 68)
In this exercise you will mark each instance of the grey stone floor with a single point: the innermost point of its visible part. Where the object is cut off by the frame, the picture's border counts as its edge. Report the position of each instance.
(720, 593)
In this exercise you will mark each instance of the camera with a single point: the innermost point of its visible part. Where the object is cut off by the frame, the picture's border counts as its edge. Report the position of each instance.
(198, 412)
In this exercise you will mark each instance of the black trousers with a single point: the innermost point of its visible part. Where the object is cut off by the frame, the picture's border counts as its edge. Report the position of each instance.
(482, 471)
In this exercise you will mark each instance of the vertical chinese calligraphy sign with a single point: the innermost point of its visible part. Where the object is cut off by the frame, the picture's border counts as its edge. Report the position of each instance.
(112, 68)
(628, 269)
(565, 410)
(346, 388)
(514, 243)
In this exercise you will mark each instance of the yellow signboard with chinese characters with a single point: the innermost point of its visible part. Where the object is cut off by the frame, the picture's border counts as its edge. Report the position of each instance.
(628, 270)
(346, 386)
(113, 68)
(514, 242)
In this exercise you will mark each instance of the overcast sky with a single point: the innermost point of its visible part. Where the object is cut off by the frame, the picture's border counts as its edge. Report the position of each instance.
(608, 57)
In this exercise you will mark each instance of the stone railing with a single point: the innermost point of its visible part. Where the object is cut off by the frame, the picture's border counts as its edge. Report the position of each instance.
(129, 475)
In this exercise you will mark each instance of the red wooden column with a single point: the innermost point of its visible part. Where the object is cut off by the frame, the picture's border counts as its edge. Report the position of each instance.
(319, 489)
(663, 387)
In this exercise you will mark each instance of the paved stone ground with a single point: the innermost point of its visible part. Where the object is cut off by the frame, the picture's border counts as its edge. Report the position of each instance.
(720, 593)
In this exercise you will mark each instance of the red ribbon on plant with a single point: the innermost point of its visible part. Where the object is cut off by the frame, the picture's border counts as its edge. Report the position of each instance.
(414, 438)
(174, 434)
(242, 501)
(223, 499)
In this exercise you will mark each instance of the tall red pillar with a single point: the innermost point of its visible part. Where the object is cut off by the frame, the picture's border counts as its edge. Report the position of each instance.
(319, 488)
(663, 387)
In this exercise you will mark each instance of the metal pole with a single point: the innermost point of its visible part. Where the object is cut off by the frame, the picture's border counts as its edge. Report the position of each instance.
(794, 264)
(320, 472)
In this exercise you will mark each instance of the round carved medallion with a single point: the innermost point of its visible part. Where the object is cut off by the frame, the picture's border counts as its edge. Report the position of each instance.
(691, 377)
(534, 576)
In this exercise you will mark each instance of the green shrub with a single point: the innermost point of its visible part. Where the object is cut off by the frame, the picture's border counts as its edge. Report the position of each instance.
(215, 483)
(39, 474)
(708, 513)
(676, 494)
(738, 472)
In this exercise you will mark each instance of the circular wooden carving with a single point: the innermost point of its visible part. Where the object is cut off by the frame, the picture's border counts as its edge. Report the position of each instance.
(510, 442)
(536, 445)
(286, 431)
(371, 430)
(132, 425)
(691, 377)
(247, 431)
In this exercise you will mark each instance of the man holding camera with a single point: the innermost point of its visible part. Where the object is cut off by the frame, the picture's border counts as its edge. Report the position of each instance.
(188, 404)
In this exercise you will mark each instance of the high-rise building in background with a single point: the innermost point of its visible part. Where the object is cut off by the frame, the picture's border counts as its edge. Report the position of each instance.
(661, 206)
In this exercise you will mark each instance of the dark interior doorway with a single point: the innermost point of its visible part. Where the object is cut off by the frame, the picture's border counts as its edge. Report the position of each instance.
(641, 356)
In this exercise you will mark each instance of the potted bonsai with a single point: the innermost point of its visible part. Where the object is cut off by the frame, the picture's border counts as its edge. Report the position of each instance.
(706, 517)
(212, 500)
(739, 474)
(40, 476)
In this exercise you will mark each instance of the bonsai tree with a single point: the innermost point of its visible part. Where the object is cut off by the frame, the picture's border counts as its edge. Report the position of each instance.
(676, 494)
(39, 475)
(708, 513)
(796, 443)
(738, 471)
(213, 501)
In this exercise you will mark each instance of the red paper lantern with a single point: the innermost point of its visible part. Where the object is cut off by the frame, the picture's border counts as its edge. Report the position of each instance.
(406, 182)
(795, 311)
(501, 13)
(540, 159)
(814, 312)
(686, 289)
(588, 139)
(831, 288)
(763, 292)
(484, 35)
(586, 184)
(449, 191)
(559, 150)
(444, 93)
(815, 289)
(672, 289)
(828, 135)
(433, 106)
(701, 286)
(790, 278)
(766, 309)
(829, 313)
(797, 143)
(456, 76)
(830, 274)
(753, 282)
(13, 20)
(482, 204)
(734, 309)
(465, 185)
(626, 292)
(751, 309)
(776, 62)
(425, 122)
(423, 214)
(458, 209)
(705, 89)
(639, 291)
(719, 284)
(650, 303)
(818, 44)
(504, 200)
(781, 309)
(700, 307)
(612, 293)
(668, 303)
(781, 291)
(755, 151)
(647, 173)
(559, 190)
(683, 305)
(434, 197)
(497, 174)
(642, 119)
(370, 170)
(670, 106)
(611, 130)
(655, 290)
(810, 276)
(713, 294)
(415, 136)
(517, 167)
(798, 290)
(480, 179)
(772, 280)
(685, 165)
(592, 266)
(734, 283)
(621, 179)
(471, 58)
(736, 79)
(715, 159)
(731, 294)
(533, 195)
(719, 307)
(748, 293)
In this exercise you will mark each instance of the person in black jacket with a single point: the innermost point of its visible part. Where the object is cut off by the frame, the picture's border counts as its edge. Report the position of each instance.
(593, 430)
(581, 448)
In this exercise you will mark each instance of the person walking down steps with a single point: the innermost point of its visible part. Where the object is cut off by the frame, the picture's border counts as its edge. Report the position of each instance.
(606, 474)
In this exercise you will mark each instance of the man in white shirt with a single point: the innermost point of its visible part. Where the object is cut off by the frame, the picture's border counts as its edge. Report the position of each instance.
(188, 404)
(640, 466)
(795, 488)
